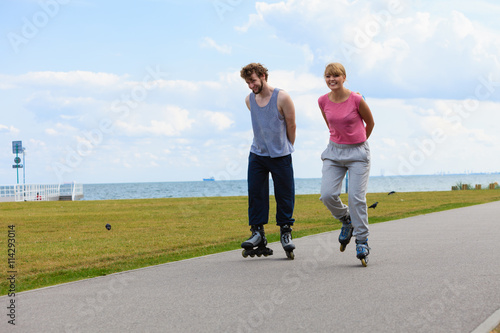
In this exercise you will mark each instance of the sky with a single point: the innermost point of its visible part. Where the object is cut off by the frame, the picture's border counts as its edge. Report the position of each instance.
(149, 91)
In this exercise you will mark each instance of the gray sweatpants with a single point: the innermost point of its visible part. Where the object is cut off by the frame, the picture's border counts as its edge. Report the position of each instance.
(337, 160)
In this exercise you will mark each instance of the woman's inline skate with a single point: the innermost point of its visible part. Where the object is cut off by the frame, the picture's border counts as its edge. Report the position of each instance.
(362, 251)
(345, 232)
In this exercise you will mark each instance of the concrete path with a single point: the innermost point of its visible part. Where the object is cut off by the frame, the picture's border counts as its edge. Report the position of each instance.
(433, 273)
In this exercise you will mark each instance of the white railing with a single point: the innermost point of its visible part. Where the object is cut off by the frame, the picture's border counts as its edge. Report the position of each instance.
(37, 192)
(71, 190)
(7, 193)
(41, 192)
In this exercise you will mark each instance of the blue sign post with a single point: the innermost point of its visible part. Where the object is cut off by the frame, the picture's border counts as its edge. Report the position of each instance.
(17, 147)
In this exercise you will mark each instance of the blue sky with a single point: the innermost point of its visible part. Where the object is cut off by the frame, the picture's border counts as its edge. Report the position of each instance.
(140, 91)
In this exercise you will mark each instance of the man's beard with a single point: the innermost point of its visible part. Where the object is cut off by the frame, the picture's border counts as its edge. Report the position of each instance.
(259, 90)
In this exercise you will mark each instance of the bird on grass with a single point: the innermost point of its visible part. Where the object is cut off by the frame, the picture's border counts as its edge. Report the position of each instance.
(392, 192)
(374, 205)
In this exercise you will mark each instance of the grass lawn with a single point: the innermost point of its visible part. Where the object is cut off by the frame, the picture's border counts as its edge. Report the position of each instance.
(63, 241)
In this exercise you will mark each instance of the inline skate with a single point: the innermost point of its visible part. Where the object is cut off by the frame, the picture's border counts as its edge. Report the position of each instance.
(286, 241)
(345, 232)
(256, 244)
(362, 251)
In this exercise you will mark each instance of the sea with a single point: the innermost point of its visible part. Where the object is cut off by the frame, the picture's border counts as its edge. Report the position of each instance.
(223, 188)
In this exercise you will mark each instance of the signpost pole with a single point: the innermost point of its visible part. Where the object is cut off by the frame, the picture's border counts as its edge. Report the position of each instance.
(17, 170)
(24, 167)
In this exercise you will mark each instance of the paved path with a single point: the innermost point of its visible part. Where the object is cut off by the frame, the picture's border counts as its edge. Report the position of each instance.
(433, 273)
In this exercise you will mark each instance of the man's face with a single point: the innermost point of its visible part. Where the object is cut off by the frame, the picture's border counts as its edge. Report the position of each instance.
(255, 84)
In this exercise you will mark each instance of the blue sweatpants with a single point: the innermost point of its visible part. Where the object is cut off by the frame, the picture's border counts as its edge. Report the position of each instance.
(281, 170)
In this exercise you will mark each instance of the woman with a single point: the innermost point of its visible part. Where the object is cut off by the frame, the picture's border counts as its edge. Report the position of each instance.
(350, 122)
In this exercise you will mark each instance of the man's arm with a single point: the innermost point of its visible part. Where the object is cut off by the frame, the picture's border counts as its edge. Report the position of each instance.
(247, 101)
(287, 109)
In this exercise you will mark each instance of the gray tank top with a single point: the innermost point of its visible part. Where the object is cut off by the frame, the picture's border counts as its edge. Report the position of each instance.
(269, 129)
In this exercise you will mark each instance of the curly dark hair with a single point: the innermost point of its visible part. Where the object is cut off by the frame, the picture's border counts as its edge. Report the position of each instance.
(259, 69)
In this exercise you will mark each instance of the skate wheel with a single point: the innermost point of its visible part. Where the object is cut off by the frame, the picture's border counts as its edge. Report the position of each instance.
(252, 255)
(342, 247)
(364, 262)
(259, 255)
(290, 255)
(244, 253)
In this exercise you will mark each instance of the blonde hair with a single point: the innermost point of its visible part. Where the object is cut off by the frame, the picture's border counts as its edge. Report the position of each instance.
(335, 68)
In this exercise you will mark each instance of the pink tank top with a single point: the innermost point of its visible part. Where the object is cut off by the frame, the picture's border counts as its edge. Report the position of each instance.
(345, 122)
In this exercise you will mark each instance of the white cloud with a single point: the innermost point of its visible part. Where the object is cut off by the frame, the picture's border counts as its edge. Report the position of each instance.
(5, 85)
(70, 78)
(167, 121)
(210, 43)
(218, 119)
(47, 97)
(185, 87)
(395, 45)
(253, 20)
(462, 26)
(51, 131)
(60, 129)
(8, 129)
(390, 142)
(423, 27)
(291, 81)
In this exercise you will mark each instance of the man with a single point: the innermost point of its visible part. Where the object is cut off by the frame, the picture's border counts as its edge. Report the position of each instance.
(273, 122)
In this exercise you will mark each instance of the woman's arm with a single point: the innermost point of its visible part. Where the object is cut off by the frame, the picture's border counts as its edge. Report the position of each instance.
(367, 117)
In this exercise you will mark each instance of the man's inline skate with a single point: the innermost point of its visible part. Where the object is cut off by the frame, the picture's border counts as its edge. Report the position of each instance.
(256, 244)
(286, 240)
(362, 251)
(345, 232)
